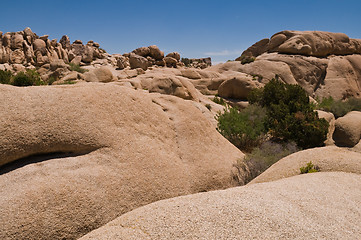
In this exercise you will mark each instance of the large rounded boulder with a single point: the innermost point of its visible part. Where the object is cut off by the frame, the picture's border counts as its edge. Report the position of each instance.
(76, 157)
(348, 129)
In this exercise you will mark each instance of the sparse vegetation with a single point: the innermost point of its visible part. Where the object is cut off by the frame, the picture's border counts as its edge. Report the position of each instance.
(77, 68)
(219, 100)
(186, 61)
(5, 77)
(290, 116)
(29, 78)
(245, 128)
(260, 159)
(247, 59)
(339, 108)
(309, 168)
(208, 106)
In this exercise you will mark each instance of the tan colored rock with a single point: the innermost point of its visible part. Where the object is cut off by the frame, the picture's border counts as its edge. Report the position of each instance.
(342, 79)
(59, 63)
(137, 61)
(142, 51)
(122, 62)
(102, 74)
(255, 50)
(311, 206)
(17, 41)
(191, 73)
(39, 46)
(65, 42)
(129, 149)
(237, 87)
(76, 60)
(17, 56)
(170, 62)
(348, 130)
(328, 159)
(174, 55)
(156, 53)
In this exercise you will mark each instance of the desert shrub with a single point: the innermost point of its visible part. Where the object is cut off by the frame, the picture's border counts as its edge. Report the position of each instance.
(186, 61)
(262, 158)
(245, 128)
(219, 100)
(340, 108)
(309, 168)
(29, 78)
(5, 77)
(290, 116)
(247, 59)
(77, 68)
(208, 106)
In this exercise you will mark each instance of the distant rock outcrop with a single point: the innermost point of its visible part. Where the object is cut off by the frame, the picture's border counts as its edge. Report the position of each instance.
(323, 63)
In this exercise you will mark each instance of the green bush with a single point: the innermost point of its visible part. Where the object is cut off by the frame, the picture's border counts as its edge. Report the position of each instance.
(260, 159)
(29, 78)
(186, 61)
(246, 59)
(244, 129)
(77, 68)
(309, 168)
(5, 77)
(290, 116)
(340, 108)
(219, 100)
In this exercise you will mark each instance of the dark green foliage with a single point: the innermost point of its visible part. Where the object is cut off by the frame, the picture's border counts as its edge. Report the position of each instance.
(290, 116)
(245, 129)
(208, 106)
(247, 59)
(29, 78)
(5, 77)
(309, 168)
(219, 100)
(186, 61)
(77, 68)
(51, 80)
(340, 108)
(262, 158)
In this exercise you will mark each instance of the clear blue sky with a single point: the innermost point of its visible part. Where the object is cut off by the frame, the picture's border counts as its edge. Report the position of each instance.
(198, 28)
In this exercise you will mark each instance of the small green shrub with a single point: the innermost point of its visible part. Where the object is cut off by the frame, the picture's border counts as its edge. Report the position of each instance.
(5, 77)
(77, 68)
(247, 59)
(186, 62)
(29, 78)
(244, 129)
(260, 159)
(290, 116)
(208, 106)
(51, 80)
(340, 108)
(309, 168)
(219, 100)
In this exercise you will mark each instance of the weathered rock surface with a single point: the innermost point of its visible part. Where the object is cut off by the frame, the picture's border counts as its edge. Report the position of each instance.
(328, 159)
(348, 130)
(310, 206)
(128, 149)
(324, 64)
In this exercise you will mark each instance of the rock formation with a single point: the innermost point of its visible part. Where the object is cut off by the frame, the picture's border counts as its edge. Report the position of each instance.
(310, 206)
(105, 150)
(324, 64)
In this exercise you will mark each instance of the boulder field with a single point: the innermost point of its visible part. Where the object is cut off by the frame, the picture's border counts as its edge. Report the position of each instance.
(76, 157)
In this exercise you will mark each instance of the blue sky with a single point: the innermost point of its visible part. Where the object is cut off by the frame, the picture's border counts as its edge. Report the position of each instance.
(198, 28)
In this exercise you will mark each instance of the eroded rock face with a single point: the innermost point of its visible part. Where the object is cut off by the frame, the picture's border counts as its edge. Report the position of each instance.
(129, 149)
(284, 209)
